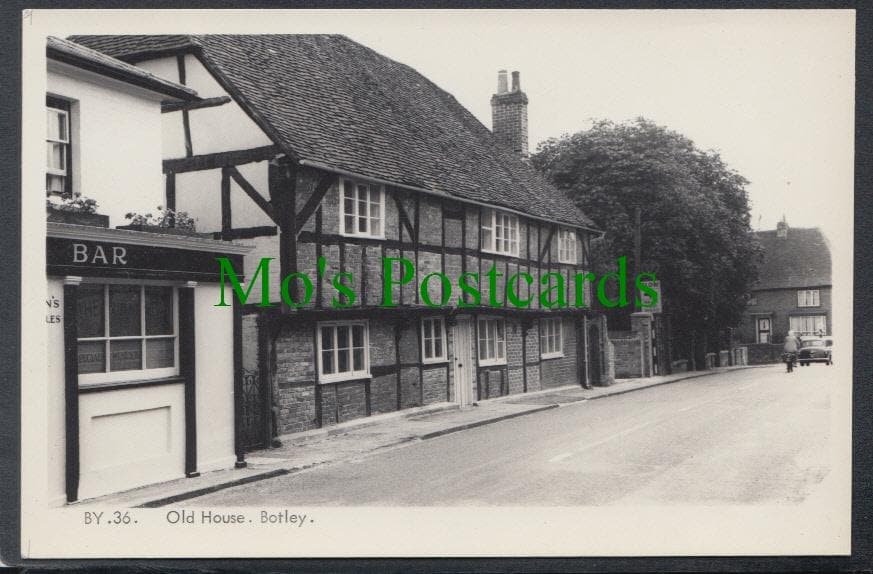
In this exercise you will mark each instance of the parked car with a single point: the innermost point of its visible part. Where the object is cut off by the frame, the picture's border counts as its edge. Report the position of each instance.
(816, 350)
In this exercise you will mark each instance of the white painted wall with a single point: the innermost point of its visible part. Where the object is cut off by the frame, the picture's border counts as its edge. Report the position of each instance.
(55, 453)
(214, 362)
(116, 142)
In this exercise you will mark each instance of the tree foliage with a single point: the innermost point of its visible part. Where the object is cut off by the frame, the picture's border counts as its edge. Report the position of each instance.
(694, 216)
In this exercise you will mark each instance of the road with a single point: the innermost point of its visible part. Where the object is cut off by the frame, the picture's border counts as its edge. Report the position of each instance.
(750, 436)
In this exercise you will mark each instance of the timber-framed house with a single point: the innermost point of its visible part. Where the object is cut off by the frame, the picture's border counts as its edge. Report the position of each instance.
(314, 146)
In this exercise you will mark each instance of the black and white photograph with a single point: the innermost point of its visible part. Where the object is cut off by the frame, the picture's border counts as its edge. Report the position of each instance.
(437, 283)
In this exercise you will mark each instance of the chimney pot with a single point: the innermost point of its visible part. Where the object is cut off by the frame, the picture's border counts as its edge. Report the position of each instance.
(516, 83)
(501, 82)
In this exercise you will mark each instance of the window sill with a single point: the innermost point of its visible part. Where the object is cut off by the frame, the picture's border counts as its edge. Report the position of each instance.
(493, 363)
(552, 356)
(361, 235)
(434, 361)
(123, 385)
(345, 378)
(501, 253)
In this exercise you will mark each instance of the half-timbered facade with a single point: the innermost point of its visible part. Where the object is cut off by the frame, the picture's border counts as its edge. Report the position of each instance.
(316, 148)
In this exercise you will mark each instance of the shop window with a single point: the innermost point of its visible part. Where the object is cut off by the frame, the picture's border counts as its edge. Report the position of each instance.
(551, 338)
(126, 332)
(362, 209)
(499, 232)
(492, 341)
(58, 176)
(808, 298)
(566, 246)
(343, 351)
(808, 325)
(433, 340)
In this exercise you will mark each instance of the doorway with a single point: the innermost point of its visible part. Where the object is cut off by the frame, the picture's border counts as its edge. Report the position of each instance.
(462, 363)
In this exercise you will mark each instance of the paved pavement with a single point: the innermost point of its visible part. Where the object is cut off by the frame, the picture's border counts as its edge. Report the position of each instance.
(746, 436)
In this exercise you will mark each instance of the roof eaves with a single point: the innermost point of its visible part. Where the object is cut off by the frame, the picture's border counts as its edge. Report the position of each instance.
(56, 50)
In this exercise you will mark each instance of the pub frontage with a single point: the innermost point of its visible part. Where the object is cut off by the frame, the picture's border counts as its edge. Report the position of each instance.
(144, 366)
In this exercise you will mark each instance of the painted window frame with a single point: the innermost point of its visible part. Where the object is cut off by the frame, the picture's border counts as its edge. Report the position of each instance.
(552, 328)
(350, 375)
(371, 187)
(759, 331)
(567, 252)
(494, 219)
(109, 376)
(60, 108)
(809, 298)
(499, 358)
(801, 318)
(441, 323)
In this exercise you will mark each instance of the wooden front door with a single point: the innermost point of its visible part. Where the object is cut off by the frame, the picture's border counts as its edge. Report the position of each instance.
(462, 361)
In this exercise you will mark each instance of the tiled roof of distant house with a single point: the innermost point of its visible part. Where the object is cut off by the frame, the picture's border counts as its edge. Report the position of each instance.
(801, 259)
(329, 100)
(92, 60)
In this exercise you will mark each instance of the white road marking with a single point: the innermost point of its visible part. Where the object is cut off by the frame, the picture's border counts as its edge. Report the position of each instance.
(561, 457)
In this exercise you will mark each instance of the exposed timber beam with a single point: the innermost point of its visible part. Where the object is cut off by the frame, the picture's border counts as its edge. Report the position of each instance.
(251, 191)
(167, 107)
(221, 159)
(324, 183)
(548, 243)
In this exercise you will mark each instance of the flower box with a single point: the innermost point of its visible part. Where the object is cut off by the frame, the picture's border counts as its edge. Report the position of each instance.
(56, 215)
(165, 230)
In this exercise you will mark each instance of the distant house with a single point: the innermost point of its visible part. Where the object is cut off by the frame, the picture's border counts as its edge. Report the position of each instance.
(793, 292)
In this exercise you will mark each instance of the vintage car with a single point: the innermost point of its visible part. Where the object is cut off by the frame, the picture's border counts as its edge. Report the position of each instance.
(816, 350)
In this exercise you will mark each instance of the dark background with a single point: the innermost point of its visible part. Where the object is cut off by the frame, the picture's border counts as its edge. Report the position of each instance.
(10, 317)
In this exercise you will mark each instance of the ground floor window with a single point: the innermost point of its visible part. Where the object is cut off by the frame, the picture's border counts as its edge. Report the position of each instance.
(808, 324)
(551, 338)
(433, 340)
(126, 332)
(492, 341)
(763, 330)
(343, 350)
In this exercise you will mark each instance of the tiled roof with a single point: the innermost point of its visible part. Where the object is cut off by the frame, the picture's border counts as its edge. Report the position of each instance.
(802, 259)
(86, 58)
(330, 100)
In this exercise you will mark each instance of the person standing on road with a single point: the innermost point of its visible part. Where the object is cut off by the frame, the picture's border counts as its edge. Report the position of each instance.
(790, 348)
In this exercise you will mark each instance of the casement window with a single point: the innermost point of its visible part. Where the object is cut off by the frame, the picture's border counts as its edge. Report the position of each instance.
(551, 338)
(433, 340)
(58, 178)
(343, 350)
(808, 324)
(499, 232)
(362, 209)
(492, 341)
(763, 332)
(126, 332)
(566, 246)
(808, 298)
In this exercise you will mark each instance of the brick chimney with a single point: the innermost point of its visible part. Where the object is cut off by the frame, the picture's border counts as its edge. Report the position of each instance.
(782, 228)
(509, 114)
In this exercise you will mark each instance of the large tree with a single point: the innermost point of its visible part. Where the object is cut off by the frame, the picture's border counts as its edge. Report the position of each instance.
(694, 219)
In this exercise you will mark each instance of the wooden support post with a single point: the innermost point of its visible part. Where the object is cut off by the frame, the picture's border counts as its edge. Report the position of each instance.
(188, 370)
(71, 386)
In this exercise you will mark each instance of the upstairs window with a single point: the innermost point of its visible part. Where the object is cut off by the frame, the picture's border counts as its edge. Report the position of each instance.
(362, 209)
(58, 178)
(808, 298)
(551, 338)
(500, 232)
(566, 246)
